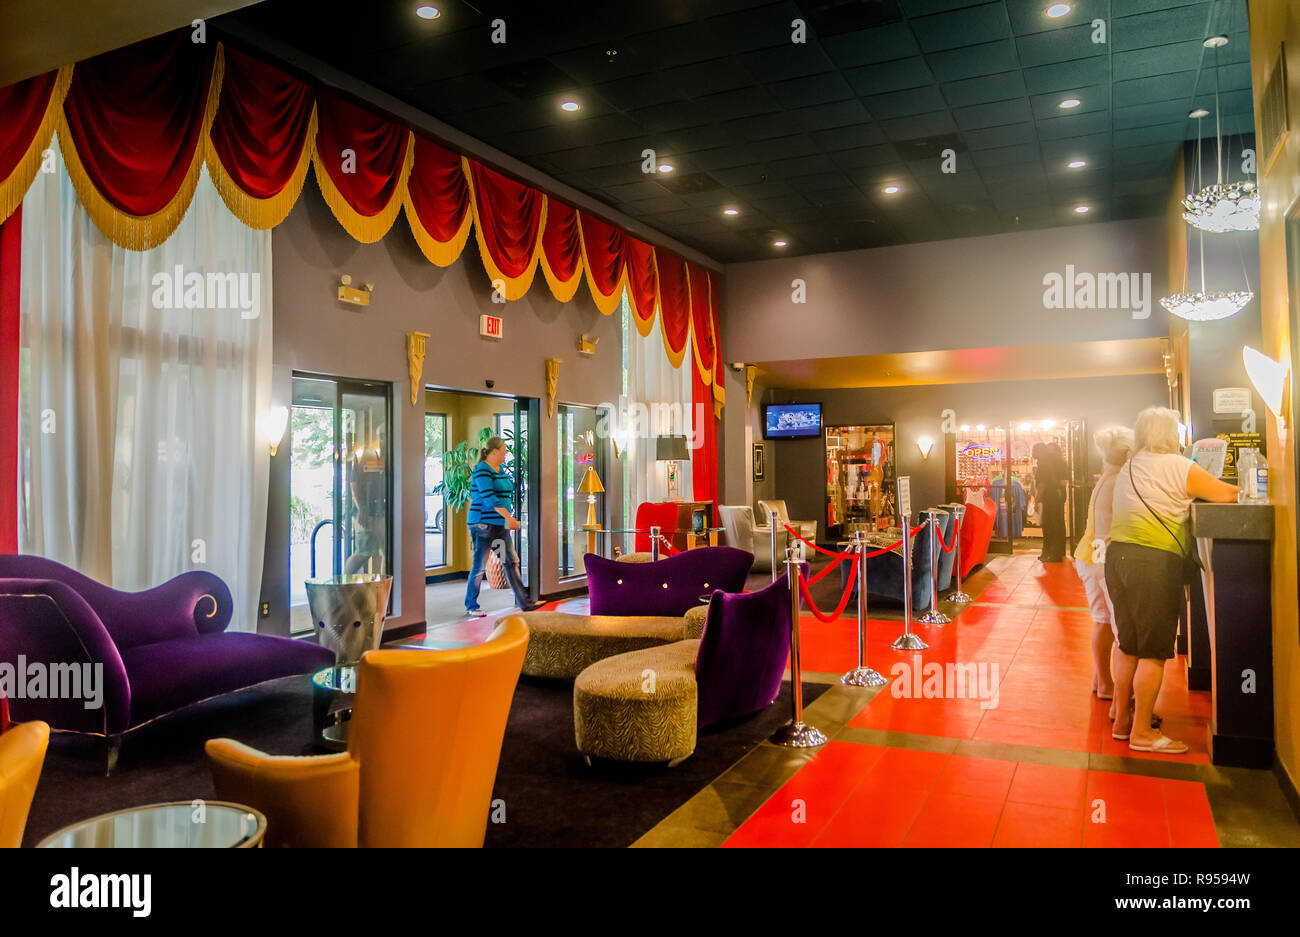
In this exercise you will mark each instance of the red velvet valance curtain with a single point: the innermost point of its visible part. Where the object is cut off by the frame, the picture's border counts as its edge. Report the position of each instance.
(136, 126)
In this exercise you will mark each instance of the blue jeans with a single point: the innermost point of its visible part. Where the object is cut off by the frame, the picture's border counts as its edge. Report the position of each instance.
(487, 538)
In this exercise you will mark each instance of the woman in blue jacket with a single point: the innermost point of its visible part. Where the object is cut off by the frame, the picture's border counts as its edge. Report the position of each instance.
(491, 491)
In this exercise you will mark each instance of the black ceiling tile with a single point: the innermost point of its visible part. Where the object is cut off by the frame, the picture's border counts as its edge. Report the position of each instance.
(877, 155)
(847, 138)
(689, 81)
(747, 30)
(1081, 146)
(989, 58)
(868, 46)
(1065, 75)
(995, 137)
(916, 8)
(820, 182)
(1159, 60)
(763, 126)
(954, 187)
(1060, 45)
(922, 125)
(789, 60)
(813, 89)
(985, 89)
(1158, 28)
(742, 102)
(905, 103)
(889, 76)
(691, 139)
(1075, 125)
(1145, 115)
(996, 114)
(800, 165)
(1137, 136)
(725, 157)
(1144, 153)
(1005, 156)
(673, 115)
(838, 114)
(961, 28)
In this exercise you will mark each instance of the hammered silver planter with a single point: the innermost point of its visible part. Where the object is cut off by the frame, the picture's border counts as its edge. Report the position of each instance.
(349, 612)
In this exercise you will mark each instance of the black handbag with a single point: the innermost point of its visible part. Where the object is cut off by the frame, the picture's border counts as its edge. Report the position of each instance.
(1192, 567)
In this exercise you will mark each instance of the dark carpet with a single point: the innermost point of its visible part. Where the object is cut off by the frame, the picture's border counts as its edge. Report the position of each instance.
(551, 797)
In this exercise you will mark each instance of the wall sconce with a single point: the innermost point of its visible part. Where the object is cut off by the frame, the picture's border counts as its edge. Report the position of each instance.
(1269, 378)
(272, 425)
(350, 294)
(587, 345)
(925, 444)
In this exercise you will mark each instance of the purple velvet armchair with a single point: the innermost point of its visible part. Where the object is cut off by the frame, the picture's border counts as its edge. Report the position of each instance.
(125, 658)
(669, 587)
(743, 652)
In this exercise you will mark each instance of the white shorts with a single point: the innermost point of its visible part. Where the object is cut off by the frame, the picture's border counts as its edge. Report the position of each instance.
(1094, 584)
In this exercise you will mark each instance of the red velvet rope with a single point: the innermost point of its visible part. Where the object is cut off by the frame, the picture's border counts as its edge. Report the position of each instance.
(672, 550)
(948, 547)
(795, 534)
(844, 599)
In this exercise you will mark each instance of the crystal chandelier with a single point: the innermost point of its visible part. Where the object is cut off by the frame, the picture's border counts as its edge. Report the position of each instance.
(1223, 207)
(1207, 307)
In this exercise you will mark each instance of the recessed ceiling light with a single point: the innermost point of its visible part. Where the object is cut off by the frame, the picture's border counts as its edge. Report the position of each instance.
(1215, 42)
(1057, 10)
(1069, 103)
(1025, 427)
(570, 106)
(779, 243)
(731, 211)
(1082, 209)
(965, 427)
(891, 189)
(665, 167)
(979, 427)
(1076, 164)
(427, 11)
(1199, 113)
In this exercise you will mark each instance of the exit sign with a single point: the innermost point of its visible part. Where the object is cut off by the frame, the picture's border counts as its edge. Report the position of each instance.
(489, 326)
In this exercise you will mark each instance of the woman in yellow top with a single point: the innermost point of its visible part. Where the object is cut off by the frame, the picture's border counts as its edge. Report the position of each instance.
(1114, 443)
(1149, 536)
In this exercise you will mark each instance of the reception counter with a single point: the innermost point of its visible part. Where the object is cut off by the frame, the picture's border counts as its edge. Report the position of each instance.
(1235, 546)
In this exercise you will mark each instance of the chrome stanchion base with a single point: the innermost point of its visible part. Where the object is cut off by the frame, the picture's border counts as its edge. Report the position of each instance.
(863, 676)
(908, 642)
(798, 735)
(934, 617)
(961, 597)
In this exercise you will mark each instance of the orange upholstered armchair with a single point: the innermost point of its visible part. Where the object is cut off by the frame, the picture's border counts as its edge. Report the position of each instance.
(423, 746)
(22, 752)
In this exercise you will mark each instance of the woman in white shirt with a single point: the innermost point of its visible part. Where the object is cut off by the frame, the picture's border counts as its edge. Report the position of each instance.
(1114, 443)
(1149, 537)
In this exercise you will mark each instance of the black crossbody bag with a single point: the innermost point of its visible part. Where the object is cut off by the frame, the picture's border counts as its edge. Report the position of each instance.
(1191, 562)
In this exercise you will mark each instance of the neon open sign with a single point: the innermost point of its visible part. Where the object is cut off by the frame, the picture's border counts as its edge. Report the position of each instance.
(982, 453)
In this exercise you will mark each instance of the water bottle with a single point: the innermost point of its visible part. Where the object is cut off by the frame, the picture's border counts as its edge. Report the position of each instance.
(1246, 476)
(1261, 479)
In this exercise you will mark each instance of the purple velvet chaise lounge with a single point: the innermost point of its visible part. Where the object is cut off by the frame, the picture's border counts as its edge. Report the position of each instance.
(160, 649)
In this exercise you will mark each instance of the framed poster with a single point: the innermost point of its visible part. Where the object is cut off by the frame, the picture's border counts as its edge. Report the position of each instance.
(758, 461)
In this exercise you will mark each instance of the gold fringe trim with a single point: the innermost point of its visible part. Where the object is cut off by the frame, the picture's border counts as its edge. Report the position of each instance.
(562, 290)
(607, 304)
(262, 213)
(143, 232)
(14, 189)
(364, 228)
(515, 287)
(439, 253)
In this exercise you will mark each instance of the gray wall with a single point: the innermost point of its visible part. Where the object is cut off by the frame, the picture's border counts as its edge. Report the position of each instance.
(314, 332)
(915, 411)
(741, 428)
(969, 293)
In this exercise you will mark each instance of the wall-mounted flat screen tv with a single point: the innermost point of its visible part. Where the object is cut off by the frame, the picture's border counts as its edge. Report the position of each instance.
(792, 420)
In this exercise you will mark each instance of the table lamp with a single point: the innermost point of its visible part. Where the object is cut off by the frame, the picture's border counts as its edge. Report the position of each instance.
(672, 449)
(591, 487)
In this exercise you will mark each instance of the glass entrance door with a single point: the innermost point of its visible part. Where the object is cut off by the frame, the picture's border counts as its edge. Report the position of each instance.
(340, 484)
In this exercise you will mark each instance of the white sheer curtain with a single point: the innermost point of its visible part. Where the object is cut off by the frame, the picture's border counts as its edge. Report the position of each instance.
(143, 377)
(651, 381)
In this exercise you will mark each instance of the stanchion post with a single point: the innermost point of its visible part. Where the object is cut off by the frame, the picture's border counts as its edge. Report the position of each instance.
(933, 616)
(862, 675)
(654, 543)
(796, 733)
(907, 641)
(959, 596)
(771, 519)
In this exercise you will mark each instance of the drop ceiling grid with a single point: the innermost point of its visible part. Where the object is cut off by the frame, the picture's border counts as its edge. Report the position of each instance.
(801, 139)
